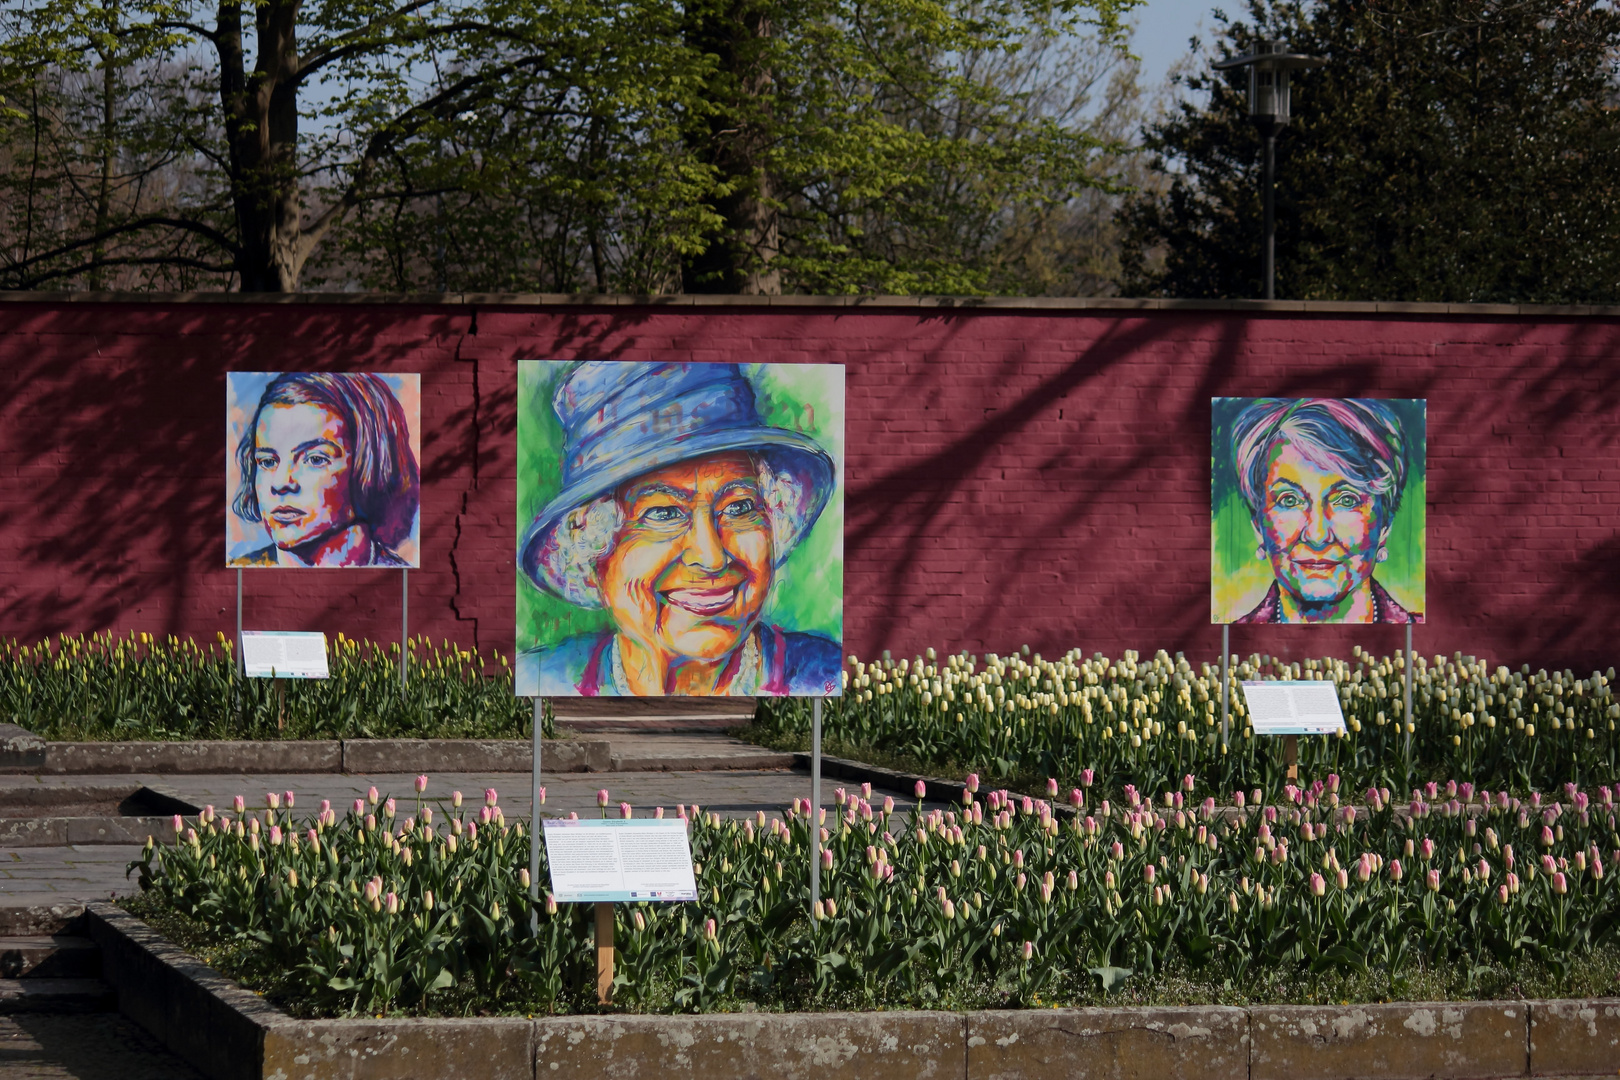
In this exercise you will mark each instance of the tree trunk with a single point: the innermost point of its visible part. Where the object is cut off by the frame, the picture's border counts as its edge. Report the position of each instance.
(109, 81)
(261, 129)
(739, 256)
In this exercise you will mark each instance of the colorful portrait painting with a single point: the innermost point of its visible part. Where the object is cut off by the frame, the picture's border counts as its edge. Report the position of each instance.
(680, 529)
(1317, 510)
(321, 469)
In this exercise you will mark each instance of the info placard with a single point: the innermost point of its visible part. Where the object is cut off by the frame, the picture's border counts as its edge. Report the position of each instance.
(271, 654)
(613, 859)
(1293, 708)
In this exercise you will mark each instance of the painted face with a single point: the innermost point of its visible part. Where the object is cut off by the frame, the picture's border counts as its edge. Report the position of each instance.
(1321, 531)
(692, 565)
(302, 473)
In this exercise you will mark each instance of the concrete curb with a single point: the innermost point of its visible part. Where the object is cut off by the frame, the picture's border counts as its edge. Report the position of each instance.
(231, 1034)
(215, 757)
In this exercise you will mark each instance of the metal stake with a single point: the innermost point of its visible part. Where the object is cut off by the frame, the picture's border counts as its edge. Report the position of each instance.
(241, 664)
(404, 625)
(815, 802)
(534, 817)
(1406, 695)
(1226, 652)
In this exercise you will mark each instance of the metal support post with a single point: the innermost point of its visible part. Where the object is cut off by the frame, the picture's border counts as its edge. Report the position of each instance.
(534, 816)
(815, 802)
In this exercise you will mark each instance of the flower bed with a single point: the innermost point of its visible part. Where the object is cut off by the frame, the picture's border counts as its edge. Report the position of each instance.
(141, 687)
(1001, 900)
(1021, 718)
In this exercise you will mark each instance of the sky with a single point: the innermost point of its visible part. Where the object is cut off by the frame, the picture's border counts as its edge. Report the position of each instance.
(1163, 27)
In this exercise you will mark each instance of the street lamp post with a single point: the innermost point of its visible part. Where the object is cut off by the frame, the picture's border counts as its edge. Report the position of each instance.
(1269, 66)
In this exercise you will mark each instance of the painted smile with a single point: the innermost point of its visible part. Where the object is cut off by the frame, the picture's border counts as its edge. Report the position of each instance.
(287, 515)
(711, 601)
(1317, 566)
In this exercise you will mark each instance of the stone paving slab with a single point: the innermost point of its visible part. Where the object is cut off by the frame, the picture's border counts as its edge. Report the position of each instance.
(104, 1046)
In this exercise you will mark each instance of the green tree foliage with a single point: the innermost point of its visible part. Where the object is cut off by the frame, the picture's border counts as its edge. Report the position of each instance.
(638, 146)
(1451, 151)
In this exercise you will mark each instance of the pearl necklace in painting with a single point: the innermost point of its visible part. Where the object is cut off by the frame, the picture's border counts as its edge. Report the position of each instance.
(745, 683)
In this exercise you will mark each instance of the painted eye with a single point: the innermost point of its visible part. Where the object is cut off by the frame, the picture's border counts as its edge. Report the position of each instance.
(1347, 500)
(740, 508)
(663, 515)
(320, 461)
(1288, 501)
(265, 461)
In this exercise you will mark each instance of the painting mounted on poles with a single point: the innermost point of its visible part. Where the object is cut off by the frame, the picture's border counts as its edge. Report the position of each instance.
(321, 469)
(680, 529)
(1318, 510)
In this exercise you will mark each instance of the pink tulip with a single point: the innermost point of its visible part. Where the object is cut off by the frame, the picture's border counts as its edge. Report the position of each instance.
(1318, 885)
(1086, 776)
(1051, 787)
(275, 836)
(973, 782)
(359, 807)
(1117, 851)
(1187, 782)
(601, 797)
(826, 858)
(1148, 873)
(1560, 884)
(1344, 878)
(272, 800)
(472, 830)
(1432, 880)
(287, 798)
(1237, 799)
(710, 930)
(371, 796)
(490, 796)
(1395, 871)
(179, 824)
(239, 804)
(625, 811)
(421, 784)
(920, 789)
(390, 807)
(1426, 849)
(1029, 951)
(371, 822)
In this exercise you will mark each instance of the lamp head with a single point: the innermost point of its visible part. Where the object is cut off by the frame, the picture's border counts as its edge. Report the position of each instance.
(1269, 66)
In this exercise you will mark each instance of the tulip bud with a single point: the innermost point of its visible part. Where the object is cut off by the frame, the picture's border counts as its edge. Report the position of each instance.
(625, 811)
(920, 789)
(1318, 885)
(1560, 884)
(239, 804)
(421, 784)
(1028, 951)
(973, 782)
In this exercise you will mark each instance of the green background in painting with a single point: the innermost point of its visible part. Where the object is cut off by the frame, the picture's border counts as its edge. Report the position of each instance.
(808, 594)
(1239, 580)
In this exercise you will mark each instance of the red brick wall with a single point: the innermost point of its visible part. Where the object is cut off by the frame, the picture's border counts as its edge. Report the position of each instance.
(1014, 476)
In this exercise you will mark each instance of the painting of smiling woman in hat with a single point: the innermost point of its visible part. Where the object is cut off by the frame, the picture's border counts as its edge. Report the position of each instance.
(682, 529)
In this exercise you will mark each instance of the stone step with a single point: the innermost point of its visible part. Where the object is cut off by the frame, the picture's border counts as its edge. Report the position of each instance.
(55, 996)
(61, 956)
(39, 914)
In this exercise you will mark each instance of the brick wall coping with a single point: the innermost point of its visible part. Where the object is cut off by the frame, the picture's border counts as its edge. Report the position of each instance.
(230, 1033)
(1041, 304)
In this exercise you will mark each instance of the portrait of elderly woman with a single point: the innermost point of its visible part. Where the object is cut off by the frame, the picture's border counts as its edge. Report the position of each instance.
(322, 469)
(1318, 510)
(682, 529)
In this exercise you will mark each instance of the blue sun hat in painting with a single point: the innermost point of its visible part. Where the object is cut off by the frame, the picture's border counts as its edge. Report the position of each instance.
(621, 420)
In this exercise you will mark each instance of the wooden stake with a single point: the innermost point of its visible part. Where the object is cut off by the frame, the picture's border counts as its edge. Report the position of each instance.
(281, 705)
(1291, 755)
(604, 953)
